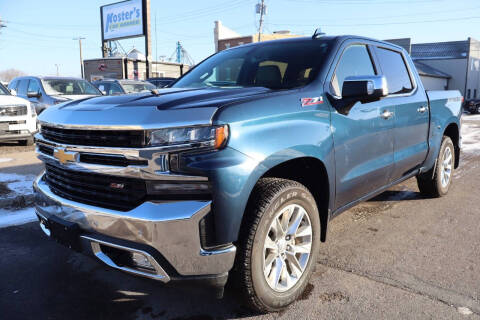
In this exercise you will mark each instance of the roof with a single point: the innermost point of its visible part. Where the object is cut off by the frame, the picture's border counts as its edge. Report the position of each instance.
(426, 70)
(328, 38)
(440, 50)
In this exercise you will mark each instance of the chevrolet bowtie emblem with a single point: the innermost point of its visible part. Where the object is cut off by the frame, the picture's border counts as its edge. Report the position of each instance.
(64, 156)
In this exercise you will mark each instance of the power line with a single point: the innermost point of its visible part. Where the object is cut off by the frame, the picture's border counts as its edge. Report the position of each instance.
(384, 23)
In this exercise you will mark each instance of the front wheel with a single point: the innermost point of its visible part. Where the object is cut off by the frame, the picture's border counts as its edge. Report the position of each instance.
(278, 244)
(436, 182)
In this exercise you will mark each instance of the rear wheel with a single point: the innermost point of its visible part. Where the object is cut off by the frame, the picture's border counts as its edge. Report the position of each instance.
(436, 182)
(278, 245)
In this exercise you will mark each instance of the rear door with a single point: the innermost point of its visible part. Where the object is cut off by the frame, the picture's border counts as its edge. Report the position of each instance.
(363, 136)
(411, 111)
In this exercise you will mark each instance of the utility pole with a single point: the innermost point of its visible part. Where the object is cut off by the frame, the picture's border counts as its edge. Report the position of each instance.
(260, 9)
(81, 58)
(56, 65)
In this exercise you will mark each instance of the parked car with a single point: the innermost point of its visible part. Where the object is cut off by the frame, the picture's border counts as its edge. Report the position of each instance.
(43, 92)
(115, 87)
(161, 82)
(241, 164)
(472, 106)
(18, 119)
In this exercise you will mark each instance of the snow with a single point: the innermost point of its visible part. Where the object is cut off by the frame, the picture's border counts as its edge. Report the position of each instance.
(14, 218)
(465, 311)
(17, 183)
(470, 136)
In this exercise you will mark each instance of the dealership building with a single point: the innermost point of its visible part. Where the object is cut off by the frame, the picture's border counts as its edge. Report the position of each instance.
(452, 65)
(132, 66)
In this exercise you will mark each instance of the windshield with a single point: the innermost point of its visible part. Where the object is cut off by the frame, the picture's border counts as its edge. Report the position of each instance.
(4, 91)
(130, 87)
(281, 65)
(69, 87)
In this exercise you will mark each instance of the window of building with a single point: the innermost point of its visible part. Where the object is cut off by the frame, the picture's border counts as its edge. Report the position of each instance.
(474, 93)
(468, 94)
(355, 61)
(227, 45)
(395, 70)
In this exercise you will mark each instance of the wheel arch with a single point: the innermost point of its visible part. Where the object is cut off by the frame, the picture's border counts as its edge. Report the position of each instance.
(313, 174)
(453, 132)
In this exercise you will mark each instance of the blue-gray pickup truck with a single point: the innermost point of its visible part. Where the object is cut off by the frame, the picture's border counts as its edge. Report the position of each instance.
(235, 170)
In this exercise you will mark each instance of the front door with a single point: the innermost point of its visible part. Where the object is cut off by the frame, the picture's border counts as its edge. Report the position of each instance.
(363, 137)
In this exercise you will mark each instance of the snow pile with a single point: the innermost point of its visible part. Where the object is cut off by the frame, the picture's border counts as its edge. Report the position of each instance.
(17, 183)
(471, 133)
(18, 217)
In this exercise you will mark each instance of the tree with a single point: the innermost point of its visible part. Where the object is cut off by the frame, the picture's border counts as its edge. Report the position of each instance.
(9, 74)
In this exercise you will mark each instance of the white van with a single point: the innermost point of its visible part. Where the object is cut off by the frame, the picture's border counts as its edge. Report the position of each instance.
(18, 119)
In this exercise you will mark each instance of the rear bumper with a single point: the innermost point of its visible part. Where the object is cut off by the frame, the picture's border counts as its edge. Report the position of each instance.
(165, 233)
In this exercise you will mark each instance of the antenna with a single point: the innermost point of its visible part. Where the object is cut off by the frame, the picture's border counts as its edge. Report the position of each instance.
(318, 33)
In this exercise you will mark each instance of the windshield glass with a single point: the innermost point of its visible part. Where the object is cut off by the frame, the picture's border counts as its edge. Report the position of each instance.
(281, 65)
(4, 91)
(132, 87)
(69, 87)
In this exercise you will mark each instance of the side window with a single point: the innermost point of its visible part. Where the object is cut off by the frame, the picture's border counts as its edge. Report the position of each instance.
(33, 86)
(355, 61)
(394, 69)
(13, 85)
(115, 89)
(22, 87)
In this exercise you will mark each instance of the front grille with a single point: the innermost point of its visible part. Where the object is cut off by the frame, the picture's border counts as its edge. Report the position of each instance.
(100, 138)
(15, 122)
(12, 111)
(105, 191)
(44, 149)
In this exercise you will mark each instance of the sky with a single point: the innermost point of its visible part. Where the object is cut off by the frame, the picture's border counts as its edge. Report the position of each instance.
(39, 34)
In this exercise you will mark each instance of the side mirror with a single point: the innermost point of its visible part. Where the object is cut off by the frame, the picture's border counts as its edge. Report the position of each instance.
(13, 92)
(364, 88)
(34, 94)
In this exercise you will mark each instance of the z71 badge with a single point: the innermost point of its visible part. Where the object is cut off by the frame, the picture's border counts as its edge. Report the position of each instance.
(311, 101)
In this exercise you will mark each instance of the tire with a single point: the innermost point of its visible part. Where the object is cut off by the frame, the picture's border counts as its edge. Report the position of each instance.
(273, 198)
(434, 183)
(28, 142)
(477, 109)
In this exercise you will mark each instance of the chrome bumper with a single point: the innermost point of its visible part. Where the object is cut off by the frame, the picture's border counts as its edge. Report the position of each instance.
(171, 228)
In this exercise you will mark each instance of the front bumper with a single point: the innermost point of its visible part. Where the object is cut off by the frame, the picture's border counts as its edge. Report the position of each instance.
(167, 233)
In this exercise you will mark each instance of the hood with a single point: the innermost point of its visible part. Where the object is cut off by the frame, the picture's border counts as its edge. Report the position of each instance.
(9, 100)
(171, 107)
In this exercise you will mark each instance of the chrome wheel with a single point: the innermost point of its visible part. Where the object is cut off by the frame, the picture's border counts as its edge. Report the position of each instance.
(446, 171)
(287, 248)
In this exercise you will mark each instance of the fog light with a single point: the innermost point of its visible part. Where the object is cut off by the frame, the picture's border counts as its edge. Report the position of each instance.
(141, 261)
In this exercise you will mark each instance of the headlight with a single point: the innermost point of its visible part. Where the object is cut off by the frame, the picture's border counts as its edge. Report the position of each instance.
(205, 136)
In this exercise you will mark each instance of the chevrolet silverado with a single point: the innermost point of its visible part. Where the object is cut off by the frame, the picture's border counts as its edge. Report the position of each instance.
(235, 171)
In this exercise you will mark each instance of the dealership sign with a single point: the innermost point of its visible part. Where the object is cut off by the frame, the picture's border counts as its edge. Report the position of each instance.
(122, 20)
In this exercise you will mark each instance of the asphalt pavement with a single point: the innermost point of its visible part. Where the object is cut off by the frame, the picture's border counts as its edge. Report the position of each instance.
(397, 256)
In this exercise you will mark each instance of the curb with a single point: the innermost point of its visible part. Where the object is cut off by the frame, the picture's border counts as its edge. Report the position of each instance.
(17, 202)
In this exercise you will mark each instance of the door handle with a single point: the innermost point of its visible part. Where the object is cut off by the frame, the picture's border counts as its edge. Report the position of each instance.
(422, 109)
(386, 114)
